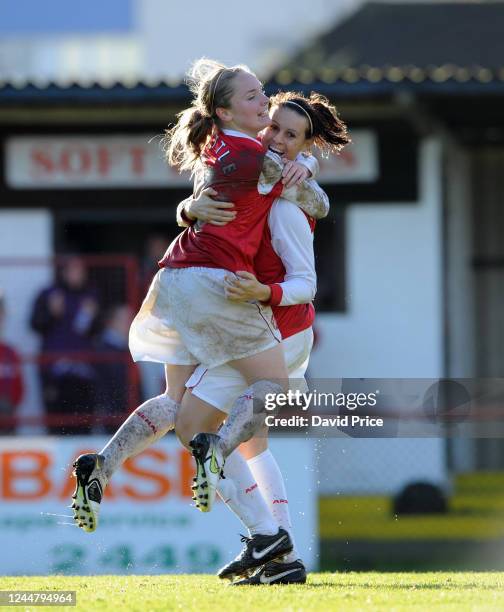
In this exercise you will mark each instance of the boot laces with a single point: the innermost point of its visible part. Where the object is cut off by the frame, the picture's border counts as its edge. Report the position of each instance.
(246, 541)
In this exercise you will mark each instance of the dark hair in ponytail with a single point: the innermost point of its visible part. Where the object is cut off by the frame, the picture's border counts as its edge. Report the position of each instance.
(211, 84)
(328, 131)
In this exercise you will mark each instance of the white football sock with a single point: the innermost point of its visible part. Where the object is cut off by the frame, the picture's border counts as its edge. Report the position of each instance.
(149, 422)
(271, 483)
(241, 494)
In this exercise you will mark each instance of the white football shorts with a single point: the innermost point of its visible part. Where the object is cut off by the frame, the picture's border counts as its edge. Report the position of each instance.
(221, 386)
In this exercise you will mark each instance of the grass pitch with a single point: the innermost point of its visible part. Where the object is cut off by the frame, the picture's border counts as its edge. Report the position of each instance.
(348, 591)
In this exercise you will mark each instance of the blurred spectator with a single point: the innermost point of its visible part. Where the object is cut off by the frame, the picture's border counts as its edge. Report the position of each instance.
(65, 315)
(11, 378)
(116, 389)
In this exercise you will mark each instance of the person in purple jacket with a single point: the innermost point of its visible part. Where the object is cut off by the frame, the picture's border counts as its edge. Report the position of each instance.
(64, 315)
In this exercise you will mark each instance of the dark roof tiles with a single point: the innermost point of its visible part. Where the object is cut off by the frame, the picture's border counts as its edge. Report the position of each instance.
(411, 41)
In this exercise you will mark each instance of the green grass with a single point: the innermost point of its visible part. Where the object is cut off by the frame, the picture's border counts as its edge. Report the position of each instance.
(349, 591)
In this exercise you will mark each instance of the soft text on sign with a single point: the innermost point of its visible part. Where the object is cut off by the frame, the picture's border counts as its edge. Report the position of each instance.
(137, 161)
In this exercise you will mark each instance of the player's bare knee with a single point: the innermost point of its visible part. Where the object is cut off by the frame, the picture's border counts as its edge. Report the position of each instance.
(176, 376)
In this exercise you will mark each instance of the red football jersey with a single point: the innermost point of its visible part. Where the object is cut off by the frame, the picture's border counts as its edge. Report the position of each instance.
(270, 271)
(232, 165)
